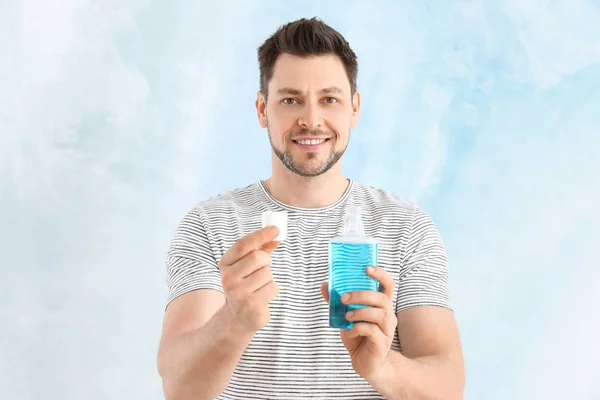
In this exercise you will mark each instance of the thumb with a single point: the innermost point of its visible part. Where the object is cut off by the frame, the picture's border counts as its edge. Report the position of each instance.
(270, 247)
(325, 291)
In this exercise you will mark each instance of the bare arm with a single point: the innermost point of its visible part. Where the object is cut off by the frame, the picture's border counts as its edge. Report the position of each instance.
(200, 346)
(206, 332)
(431, 365)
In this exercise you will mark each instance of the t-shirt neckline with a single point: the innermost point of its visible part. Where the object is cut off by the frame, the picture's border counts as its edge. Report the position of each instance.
(287, 207)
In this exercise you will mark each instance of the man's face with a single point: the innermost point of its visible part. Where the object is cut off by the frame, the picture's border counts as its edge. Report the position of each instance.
(309, 112)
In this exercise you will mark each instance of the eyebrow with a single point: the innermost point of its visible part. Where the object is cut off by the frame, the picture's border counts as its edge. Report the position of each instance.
(296, 92)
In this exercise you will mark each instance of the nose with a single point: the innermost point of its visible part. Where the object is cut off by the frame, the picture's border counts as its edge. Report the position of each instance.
(311, 117)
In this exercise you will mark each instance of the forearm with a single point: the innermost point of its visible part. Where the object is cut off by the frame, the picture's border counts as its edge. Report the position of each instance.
(422, 378)
(199, 364)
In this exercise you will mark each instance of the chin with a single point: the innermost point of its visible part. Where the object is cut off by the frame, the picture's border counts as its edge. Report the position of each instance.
(312, 171)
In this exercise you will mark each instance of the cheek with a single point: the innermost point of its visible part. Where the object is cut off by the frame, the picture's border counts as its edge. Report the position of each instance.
(281, 121)
(342, 126)
(339, 119)
(278, 131)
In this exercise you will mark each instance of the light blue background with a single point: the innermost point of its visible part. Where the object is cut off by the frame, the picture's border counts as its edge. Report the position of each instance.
(117, 116)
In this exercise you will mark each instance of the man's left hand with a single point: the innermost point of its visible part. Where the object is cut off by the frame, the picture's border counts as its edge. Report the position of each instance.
(370, 339)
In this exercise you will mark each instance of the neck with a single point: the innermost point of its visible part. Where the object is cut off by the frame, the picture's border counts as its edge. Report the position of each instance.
(307, 192)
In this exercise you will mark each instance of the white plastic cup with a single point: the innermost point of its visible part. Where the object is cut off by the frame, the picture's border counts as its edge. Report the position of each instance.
(277, 218)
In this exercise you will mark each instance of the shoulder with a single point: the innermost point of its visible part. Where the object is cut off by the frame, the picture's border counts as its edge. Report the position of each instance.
(236, 199)
(377, 198)
(392, 210)
(224, 216)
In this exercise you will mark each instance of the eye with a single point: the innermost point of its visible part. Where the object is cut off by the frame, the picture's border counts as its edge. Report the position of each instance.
(331, 100)
(289, 101)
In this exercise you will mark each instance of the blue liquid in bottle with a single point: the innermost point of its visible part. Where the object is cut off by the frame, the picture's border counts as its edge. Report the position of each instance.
(349, 256)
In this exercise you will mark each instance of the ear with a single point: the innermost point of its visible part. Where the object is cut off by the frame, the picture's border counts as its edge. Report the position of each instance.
(355, 108)
(261, 109)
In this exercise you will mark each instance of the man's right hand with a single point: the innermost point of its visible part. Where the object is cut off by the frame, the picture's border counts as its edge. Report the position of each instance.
(247, 279)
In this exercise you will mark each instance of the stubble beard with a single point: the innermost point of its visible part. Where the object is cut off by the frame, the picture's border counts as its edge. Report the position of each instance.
(297, 167)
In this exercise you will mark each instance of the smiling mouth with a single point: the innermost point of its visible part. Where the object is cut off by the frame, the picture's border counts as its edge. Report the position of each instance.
(311, 142)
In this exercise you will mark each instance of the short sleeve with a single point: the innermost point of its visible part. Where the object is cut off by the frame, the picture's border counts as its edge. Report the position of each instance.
(190, 262)
(424, 276)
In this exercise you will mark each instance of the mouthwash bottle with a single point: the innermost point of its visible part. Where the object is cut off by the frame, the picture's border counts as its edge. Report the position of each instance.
(349, 256)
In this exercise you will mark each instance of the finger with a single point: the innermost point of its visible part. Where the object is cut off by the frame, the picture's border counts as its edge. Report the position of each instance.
(365, 329)
(384, 279)
(266, 293)
(382, 317)
(325, 291)
(257, 280)
(270, 247)
(252, 262)
(367, 298)
(248, 243)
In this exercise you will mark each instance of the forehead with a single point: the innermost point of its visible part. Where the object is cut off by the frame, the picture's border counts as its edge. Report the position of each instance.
(309, 73)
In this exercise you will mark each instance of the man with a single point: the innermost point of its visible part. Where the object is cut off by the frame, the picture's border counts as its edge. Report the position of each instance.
(247, 316)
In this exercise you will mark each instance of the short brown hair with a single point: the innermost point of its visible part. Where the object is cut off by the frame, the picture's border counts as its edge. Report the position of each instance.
(305, 38)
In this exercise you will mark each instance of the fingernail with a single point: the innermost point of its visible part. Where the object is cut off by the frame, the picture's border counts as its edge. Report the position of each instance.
(346, 297)
(370, 269)
(349, 314)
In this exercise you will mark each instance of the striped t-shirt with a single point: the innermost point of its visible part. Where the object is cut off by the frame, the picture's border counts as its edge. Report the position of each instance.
(297, 355)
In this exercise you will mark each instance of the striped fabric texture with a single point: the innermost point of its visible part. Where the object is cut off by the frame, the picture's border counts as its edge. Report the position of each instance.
(297, 355)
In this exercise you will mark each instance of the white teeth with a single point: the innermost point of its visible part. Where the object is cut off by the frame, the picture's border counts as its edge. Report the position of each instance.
(311, 142)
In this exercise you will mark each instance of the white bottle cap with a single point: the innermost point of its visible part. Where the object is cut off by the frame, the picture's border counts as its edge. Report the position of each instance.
(277, 218)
